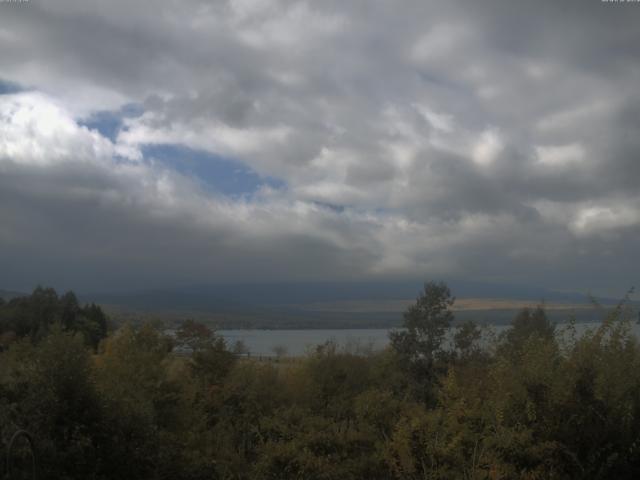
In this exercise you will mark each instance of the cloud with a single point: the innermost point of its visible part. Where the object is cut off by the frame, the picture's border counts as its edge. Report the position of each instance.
(605, 219)
(435, 138)
(487, 148)
(560, 155)
(86, 210)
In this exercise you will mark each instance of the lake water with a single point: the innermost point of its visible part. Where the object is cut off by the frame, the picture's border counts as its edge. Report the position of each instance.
(299, 342)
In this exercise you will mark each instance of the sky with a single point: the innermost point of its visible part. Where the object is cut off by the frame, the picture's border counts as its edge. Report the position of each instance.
(164, 143)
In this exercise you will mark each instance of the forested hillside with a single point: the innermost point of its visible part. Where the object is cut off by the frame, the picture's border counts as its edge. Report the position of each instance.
(532, 404)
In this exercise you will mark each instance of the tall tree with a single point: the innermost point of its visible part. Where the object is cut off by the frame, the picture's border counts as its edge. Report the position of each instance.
(418, 347)
(528, 323)
(426, 323)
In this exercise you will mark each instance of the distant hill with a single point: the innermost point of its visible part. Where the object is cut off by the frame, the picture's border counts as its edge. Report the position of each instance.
(225, 296)
(8, 294)
(334, 305)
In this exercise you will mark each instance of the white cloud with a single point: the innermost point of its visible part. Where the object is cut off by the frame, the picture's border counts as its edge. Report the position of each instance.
(574, 116)
(439, 42)
(435, 134)
(560, 155)
(215, 137)
(487, 148)
(34, 130)
(265, 25)
(594, 220)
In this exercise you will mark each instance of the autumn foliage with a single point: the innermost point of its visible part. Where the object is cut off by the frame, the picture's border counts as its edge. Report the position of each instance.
(444, 401)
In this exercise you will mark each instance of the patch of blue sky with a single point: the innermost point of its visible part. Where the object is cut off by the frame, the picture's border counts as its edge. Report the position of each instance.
(441, 81)
(7, 87)
(109, 122)
(330, 206)
(223, 175)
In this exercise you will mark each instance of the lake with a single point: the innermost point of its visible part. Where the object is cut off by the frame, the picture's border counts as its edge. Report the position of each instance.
(299, 342)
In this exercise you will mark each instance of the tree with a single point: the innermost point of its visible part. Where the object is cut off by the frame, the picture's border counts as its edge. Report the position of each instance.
(418, 347)
(92, 323)
(42, 309)
(210, 360)
(426, 323)
(142, 405)
(48, 389)
(193, 336)
(70, 309)
(466, 339)
(34, 315)
(528, 323)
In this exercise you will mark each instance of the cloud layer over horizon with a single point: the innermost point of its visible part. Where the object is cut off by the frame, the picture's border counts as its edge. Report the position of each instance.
(155, 144)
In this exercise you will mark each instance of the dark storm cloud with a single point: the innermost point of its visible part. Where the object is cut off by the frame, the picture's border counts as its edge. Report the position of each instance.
(137, 239)
(481, 139)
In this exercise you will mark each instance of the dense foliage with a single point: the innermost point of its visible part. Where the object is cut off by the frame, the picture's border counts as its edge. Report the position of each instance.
(536, 402)
(35, 315)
